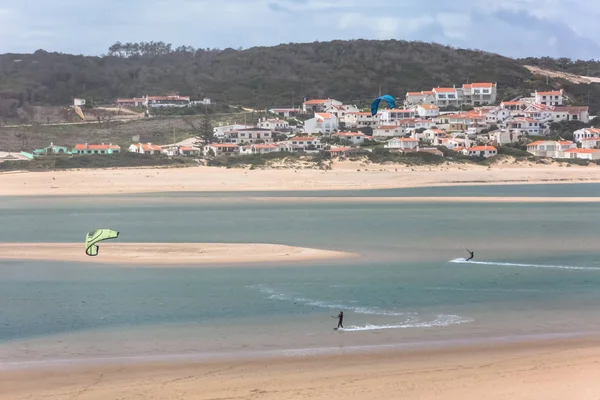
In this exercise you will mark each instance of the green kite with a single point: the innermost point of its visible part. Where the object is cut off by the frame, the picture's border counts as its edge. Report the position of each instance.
(97, 236)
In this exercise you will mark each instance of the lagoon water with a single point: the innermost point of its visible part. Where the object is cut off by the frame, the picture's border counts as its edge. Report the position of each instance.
(536, 273)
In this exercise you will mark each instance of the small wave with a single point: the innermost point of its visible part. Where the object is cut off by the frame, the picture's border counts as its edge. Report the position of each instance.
(275, 295)
(502, 264)
(441, 320)
(451, 289)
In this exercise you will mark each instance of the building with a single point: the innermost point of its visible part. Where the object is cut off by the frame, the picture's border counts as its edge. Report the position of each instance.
(344, 151)
(352, 137)
(388, 117)
(586, 133)
(52, 150)
(572, 113)
(221, 132)
(478, 93)
(430, 135)
(423, 97)
(319, 105)
(550, 148)
(513, 106)
(428, 110)
(273, 124)
(360, 119)
(250, 136)
(301, 143)
(454, 143)
(155, 101)
(134, 102)
(500, 137)
(340, 111)
(79, 102)
(221, 149)
(528, 126)
(322, 123)
(402, 144)
(285, 112)
(96, 149)
(586, 154)
(259, 149)
(145, 148)
(553, 98)
(590, 143)
(480, 151)
(388, 131)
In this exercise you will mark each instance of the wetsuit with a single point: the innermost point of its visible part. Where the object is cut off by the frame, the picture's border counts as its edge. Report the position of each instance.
(341, 319)
(470, 252)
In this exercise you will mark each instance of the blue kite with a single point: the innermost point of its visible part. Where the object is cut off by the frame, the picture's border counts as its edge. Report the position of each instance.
(387, 98)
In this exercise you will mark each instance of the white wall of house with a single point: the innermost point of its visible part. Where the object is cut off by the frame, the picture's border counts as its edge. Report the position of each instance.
(402, 143)
(481, 151)
(586, 133)
(553, 98)
(428, 111)
(388, 131)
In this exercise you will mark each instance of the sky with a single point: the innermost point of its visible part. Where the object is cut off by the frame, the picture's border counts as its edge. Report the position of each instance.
(516, 28)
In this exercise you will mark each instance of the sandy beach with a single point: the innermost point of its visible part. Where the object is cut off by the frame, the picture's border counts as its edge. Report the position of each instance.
(162, 254)
(552, 370)
(343, 176)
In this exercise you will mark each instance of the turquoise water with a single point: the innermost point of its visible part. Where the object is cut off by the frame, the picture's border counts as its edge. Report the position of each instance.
(403, 289)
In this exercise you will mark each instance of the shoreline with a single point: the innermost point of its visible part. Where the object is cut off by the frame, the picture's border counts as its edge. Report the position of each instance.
(168, 255)
(566, 366)
(346, 176)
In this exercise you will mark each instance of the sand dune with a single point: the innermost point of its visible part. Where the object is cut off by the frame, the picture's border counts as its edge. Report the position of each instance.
(176, 254)
(550, 370)
(346, 175)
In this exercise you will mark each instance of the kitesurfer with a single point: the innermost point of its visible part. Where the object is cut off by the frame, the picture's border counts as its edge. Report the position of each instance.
(340, 318)
(471, 255)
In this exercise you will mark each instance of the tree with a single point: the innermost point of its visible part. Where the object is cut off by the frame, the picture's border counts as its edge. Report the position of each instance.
(207, 132)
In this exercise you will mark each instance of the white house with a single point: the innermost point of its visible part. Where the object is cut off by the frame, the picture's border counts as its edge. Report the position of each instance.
(388, 131)
(322, 123)
(586, 154)
(388, 117)
(285, 112)
(301, 143)
(156, 101)
(145, 148)
(259, 149)
(428, 110)
(273, 124)
(341, 110)
(586, 133)
(402, 143)
(501, 137)
(513, 106)
(423, 97)
(553, 98)
(446, 97)
(411, 124)
(359, 119)
(79, 102)
(527, 126)
(319, 105)
(221, 149)
(550, 148)
(572, 113)
(480, 151)
(222, 131)
(430, 134)
(590, 143)
(250, 135)
(454, 143)
(353, 137)
(478, 93)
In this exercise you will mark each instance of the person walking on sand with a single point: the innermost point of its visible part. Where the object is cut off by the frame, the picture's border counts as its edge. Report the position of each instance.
(340, 318)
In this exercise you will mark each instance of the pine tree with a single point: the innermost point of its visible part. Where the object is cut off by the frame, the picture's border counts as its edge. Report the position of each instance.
(207, 134)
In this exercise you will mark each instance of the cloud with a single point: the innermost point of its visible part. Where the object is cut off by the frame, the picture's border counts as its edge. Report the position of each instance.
(517, 28)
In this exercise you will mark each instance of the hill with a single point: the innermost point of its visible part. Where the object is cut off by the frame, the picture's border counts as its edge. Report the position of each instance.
(352, 71)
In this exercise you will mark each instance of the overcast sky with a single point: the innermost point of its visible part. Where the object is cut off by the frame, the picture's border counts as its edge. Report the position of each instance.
(516, 28)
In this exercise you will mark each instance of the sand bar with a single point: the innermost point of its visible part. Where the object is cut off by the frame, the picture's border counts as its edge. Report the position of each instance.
(157, 254)
(344, 176)
(552, 370)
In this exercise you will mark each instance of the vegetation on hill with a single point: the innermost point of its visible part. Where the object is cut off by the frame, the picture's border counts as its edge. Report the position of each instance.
(352, 71)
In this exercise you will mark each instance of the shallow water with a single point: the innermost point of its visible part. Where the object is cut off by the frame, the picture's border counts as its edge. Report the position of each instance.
(536, 272)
